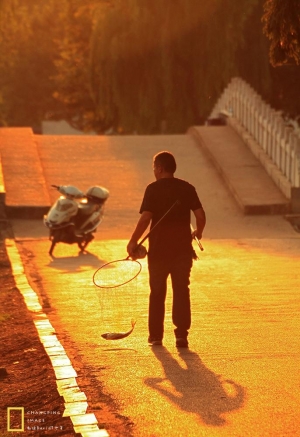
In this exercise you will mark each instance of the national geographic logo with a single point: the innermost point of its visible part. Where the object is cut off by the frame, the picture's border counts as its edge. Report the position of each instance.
(15, 419)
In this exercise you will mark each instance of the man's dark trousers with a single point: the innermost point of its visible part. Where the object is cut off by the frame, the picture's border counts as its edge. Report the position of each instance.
(179, 268)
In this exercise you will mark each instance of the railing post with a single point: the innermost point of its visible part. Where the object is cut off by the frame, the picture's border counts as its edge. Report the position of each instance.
(297, 160)
(269, 131)
(288, 153)
(260, 125)
(273, 142)
(277, 136)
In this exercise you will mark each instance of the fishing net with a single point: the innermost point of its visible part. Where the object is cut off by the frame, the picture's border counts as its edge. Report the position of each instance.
(117, 273)
(117, 284)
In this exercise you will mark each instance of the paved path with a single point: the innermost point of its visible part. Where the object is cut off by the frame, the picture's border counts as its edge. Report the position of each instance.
(241, 374)
(35, 162)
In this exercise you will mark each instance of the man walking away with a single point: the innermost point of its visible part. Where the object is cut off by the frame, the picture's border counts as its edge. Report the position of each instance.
(170, 246)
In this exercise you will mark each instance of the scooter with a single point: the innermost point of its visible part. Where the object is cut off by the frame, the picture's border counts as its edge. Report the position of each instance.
(74, 217)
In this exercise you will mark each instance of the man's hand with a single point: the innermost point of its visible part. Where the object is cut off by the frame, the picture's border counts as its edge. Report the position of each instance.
(200, 223)
(197, 234)
(141, 226)
(131, 247)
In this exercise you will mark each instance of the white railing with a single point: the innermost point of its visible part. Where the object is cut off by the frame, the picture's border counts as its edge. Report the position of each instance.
(280, 142)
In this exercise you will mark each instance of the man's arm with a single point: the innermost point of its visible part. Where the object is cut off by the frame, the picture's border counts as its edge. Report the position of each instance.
(141, 226)
(200, 222)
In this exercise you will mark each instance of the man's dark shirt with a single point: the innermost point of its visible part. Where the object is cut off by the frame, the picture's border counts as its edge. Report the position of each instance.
(172, 236)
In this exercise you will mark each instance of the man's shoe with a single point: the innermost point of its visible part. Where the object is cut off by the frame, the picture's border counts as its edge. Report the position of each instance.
(182, 342)
(154, 341)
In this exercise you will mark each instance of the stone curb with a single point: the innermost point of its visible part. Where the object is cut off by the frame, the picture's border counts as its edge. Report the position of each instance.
(2, 186)
(233, 186)
(26, 212)
(292, 193)
(76, 405)
(279, 179)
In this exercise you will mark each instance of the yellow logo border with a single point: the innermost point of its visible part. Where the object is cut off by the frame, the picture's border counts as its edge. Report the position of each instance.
(9, 409)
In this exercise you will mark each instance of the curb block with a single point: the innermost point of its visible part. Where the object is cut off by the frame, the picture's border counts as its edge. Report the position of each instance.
(85, 424)
(279, 179)
(2, 186)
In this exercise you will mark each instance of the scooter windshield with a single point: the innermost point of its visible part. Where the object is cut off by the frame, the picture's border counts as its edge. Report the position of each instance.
(62, 205)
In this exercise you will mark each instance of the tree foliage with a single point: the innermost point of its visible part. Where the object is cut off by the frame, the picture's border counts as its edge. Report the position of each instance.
(282, 26)
(26, 62)
(163, 61)
(72, 37)
(133, 65)
(252, 59)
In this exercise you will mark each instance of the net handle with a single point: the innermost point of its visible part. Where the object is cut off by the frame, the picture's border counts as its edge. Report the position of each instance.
(197, 239)
(177, 202)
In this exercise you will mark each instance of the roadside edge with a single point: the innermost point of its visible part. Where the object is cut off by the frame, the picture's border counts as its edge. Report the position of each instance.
(85, 424)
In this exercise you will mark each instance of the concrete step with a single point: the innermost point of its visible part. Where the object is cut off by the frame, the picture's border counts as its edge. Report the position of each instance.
(23, 182)
(245, 177)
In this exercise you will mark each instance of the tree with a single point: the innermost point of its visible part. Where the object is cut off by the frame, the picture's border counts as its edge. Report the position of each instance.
(252, 55)
(26, 62)
(130, 65)
(139, 80)
(72, 79)
(282, 26)
(126, 67)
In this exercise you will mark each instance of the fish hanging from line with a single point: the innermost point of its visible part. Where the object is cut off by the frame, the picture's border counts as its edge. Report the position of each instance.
(118, 335)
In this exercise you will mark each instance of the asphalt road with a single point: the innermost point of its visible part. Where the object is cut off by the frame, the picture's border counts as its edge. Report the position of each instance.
(240, 376)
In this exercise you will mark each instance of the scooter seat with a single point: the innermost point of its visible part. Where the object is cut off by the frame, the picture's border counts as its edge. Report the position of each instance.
(86, 209)
(83, 212)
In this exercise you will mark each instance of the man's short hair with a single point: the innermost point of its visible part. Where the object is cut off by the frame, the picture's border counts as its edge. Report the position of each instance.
(166, 160)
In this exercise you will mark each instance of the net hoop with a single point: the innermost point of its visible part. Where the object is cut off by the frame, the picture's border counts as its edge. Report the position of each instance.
(107, 284)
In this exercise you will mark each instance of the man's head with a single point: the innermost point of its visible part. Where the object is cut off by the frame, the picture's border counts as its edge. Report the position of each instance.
(164, 165)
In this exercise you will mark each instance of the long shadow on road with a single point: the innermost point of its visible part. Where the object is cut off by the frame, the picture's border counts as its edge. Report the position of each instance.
(75, 263)
(195, 388)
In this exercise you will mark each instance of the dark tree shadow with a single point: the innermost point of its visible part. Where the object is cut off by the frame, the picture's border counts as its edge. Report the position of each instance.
(199, 390)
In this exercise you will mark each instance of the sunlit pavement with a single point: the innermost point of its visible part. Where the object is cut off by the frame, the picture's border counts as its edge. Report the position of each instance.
(240, 376)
